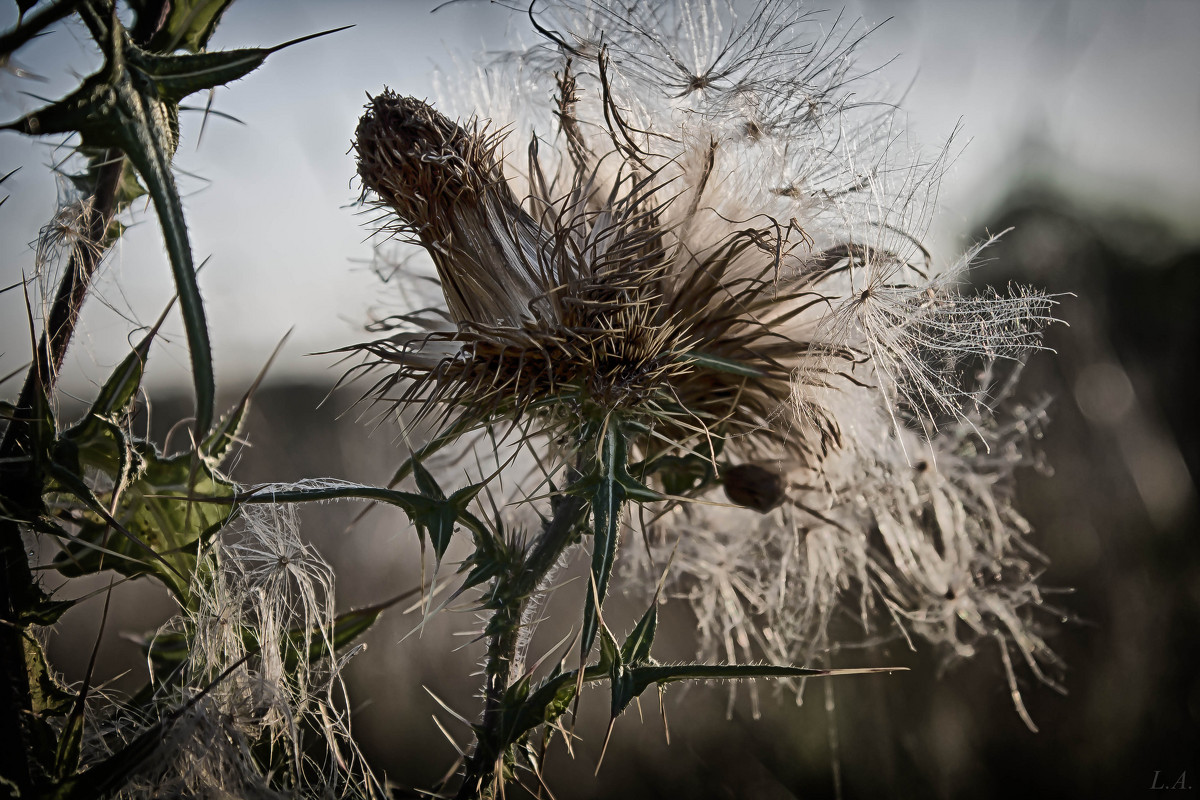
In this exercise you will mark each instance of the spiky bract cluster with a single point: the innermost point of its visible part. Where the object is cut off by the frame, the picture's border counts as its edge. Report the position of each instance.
(584, 297)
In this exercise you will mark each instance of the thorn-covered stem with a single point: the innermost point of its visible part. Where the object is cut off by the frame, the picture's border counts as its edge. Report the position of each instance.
(512, 595)
(17, 589)
(72, 290)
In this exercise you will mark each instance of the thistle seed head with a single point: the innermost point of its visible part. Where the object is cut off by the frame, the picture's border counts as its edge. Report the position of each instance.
(715, 232)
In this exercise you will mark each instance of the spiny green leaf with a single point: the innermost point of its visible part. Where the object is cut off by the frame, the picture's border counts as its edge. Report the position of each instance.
(98, 442)
(42, 430)
(454, 510)
(426, 484)
(308, 492)
(66, 480)
(168, 650)
(490, 557)
(45, 611)
(117, 393)
(49, 697)
(120, 106)
(225, 432)
(606, 512)
(177, 76)
(610, 653)
(439, 522)
(612, 659)
(460, 426)
(633, 680)
(636, 649)
(164, 512)
(154, 163)
(554, 695)
(188, 26)
(517, 692)
(649, 674)
(522, 711)
(347, 627)
(608, 486)
(481, 571)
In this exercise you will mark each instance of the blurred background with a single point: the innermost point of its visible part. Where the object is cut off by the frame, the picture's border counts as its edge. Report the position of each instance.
(1081, 126)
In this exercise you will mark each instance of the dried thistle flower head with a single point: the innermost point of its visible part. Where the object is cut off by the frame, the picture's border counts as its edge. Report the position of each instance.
(714, 232)
(586, 297)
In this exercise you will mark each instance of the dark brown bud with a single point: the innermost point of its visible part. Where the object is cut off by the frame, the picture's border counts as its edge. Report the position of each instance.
(753, 486)
(445, 185)
(419, 161)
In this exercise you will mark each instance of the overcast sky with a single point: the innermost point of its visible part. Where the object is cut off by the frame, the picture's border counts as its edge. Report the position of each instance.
(1112, 88)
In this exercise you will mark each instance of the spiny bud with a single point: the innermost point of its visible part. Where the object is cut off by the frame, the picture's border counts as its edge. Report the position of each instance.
(444, 184)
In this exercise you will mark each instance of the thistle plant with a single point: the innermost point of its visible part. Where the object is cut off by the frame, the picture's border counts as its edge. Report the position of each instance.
(686, 306)
(244, 698)
(680, 250)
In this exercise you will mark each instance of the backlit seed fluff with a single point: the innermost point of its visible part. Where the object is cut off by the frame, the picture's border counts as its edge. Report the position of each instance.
(708, 224)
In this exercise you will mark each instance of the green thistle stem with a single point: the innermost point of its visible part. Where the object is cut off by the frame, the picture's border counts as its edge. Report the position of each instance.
(511, 599)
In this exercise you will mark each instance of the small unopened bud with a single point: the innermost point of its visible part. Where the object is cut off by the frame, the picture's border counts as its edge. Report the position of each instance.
(753, 486)
(444, 184)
